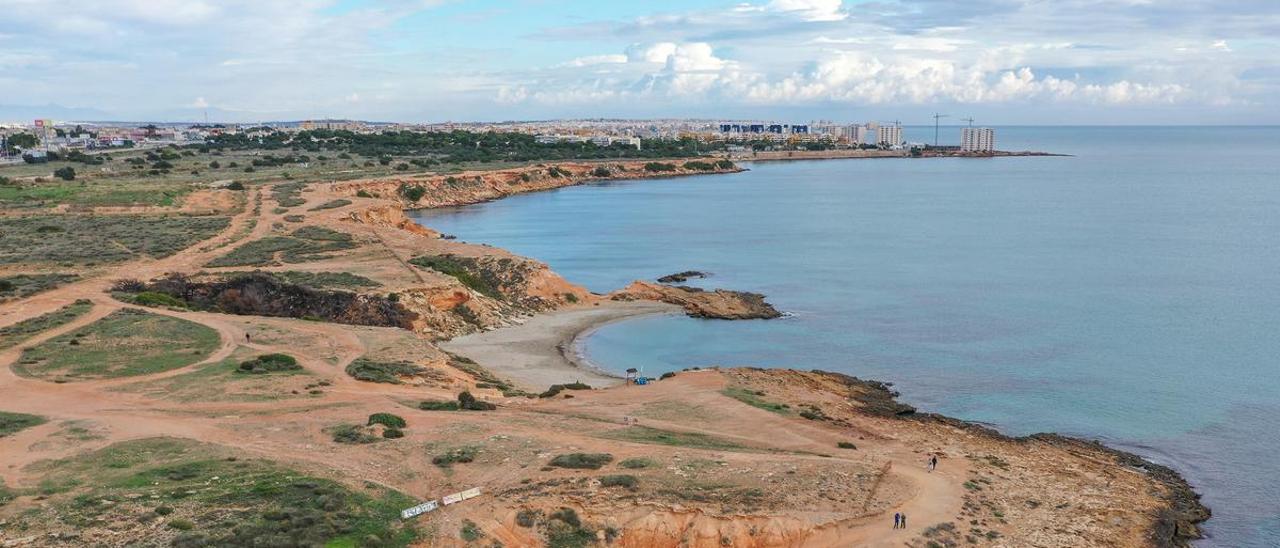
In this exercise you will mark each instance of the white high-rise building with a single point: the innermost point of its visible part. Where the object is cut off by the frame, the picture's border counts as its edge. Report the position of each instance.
(889, 135)
(859, 135)
(977, 139)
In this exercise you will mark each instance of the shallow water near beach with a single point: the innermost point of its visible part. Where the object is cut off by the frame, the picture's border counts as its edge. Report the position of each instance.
(1130, 293)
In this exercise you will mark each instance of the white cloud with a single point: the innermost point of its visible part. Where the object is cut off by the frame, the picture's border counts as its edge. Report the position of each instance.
(810, 10)
(200, 103)
(592, 60)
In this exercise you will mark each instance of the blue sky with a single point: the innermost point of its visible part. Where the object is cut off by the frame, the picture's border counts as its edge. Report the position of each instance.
(1001, 61)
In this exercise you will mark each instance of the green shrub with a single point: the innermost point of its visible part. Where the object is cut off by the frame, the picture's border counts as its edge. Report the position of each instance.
(470, 403)
(66, 173)
(387, 419)
(584, 461)
(352, 434)
(393, 433)
(528, 518)
(13, 422)
(412, 193)
(181, 524)
(463, 270)
(619, 480)
(436, 405)
(470, 531)
(846, 445)
(656, 167)
(601, 172)
(636, 463)
(362, 193)
(152, 298)
(459, 455)
(698, 165)
(367, 370)
(557, 388)
(269, 363)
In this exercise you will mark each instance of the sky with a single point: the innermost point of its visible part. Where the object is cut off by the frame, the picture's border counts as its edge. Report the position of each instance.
(999, 61)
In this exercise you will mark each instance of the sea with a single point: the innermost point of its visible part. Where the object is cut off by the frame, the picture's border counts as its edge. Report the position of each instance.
(1128, 292)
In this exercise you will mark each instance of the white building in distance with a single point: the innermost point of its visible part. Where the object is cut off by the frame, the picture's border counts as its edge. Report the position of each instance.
(889, 135)
(977, 139)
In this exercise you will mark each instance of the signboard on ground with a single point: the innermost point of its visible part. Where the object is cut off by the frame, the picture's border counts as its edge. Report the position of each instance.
(419, 509)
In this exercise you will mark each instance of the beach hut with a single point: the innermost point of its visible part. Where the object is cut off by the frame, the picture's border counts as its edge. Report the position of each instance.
(631, 375)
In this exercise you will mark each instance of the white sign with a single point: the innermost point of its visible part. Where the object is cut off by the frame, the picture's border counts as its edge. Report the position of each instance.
(461, 496)
(419, 509)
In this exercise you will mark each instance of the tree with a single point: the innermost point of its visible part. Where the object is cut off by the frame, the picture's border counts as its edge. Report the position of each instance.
(22, 140)
(66, 174)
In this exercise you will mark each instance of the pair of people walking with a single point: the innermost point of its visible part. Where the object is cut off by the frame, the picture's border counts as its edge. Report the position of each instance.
(899, 520)
(933, 462)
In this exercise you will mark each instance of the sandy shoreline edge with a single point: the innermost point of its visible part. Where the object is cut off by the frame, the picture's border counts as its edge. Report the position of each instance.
(543, 350)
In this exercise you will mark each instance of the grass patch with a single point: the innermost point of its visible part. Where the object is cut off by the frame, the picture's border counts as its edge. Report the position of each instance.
(216, 499)
(309, 243)
(269, 363)
(100, 239)
(581, 461)
(655, 436)
(21, 286)
(11, 423)
(288, 194)
(12, 335)
(437, 405)
(125, 343)
(636, 463)
(319, 280)
(364, 369)
(462, 269)
(332, 204)
(753, 398)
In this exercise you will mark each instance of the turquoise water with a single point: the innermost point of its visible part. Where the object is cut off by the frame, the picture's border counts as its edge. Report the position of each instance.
(1130, 293)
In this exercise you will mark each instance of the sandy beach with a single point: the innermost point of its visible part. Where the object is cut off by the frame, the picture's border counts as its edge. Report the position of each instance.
(539, 352)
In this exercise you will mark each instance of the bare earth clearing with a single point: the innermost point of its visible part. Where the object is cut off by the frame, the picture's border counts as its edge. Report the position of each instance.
(199, 452)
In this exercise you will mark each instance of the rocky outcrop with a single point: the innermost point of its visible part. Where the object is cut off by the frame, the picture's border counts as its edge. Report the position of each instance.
(525, 284)
(681, 277)
(719, 304)
(389, 216)
(261, 294)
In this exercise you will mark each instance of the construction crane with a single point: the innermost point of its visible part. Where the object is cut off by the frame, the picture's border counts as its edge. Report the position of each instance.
(936, 117)
(970, 120)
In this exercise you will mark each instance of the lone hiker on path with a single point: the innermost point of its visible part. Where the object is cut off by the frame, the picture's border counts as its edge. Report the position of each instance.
(897, 518)
(246, 336)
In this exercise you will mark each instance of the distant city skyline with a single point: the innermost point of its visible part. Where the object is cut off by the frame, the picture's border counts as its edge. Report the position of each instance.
(1003, 62)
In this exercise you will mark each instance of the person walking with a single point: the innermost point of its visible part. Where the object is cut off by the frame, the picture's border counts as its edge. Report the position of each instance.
(933, 463)
(903, 521)
(897, 518)
(246, 336)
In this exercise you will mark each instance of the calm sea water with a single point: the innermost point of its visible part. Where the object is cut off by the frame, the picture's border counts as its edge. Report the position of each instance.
(1130, 293)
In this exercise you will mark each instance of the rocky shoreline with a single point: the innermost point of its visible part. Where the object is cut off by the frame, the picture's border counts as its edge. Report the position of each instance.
(1177, 525)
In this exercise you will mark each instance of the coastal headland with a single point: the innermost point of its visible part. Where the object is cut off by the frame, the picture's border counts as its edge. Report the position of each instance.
(416, 366)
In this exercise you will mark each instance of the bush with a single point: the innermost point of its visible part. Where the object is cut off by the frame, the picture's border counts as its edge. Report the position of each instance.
(666, 375)
(181, 525)
(636, 463)
(846, 445)
(436, 405)
(387, 419)
(350, 433)
(601, 172)
(470, 403)
(557, 388)
(470, 531)
(393, 433)
(657, 167)
(270, 363)
(402, 167)
(582, 461)
(459, 455)
(698, 165)
(412, 193)
(528, 518)
(152, 298)
(619, 480)
(66, 173)
(364, 369)
(362, 193)
(235, 185)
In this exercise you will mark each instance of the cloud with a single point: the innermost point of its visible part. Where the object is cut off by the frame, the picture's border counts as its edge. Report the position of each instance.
(200, 103)
(809, 10)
